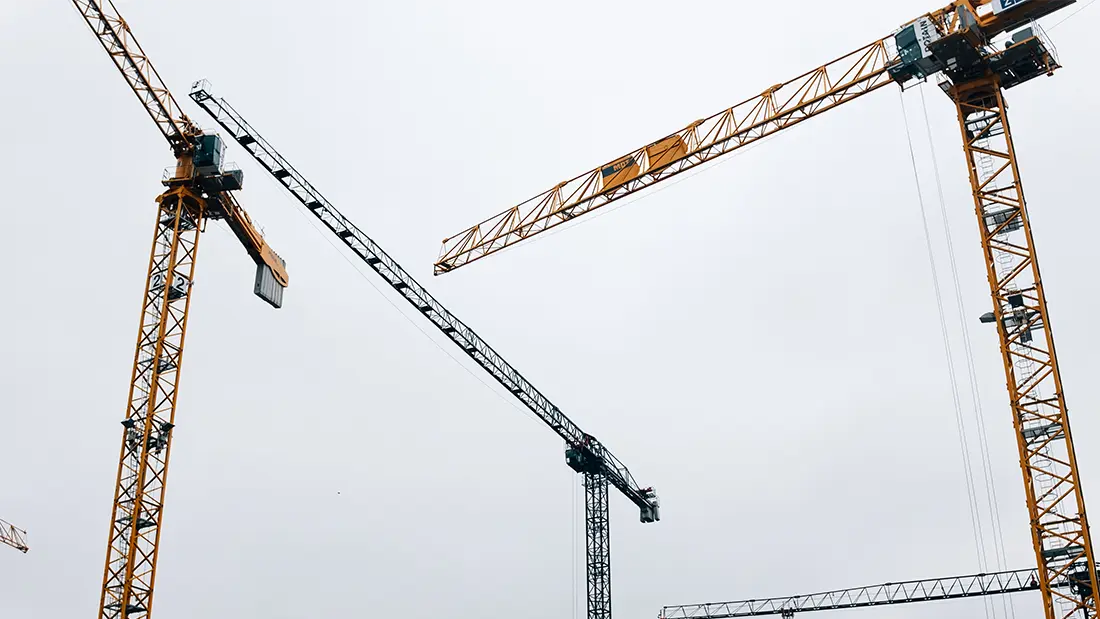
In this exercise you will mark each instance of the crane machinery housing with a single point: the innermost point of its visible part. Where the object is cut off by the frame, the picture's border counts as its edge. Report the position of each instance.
(583, 452)
(199, 189)
(975, 50)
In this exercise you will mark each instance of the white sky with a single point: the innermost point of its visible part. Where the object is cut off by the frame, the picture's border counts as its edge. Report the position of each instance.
(759, 342)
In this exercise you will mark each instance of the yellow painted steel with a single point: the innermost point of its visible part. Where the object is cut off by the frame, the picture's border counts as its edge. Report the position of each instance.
(775, 109)
(1058, 522)
(1056, 505)
(129, 572)
(138, 510)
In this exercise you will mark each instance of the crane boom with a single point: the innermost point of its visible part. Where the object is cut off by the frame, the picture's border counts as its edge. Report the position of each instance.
(930, 590)
(13, 536)
(114, 34)
(585, 448)
(777, 108)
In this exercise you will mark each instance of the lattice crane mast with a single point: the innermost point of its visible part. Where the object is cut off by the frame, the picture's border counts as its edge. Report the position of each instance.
(584, 454)
(976, 49)
(908, 592)
(199, 189)
(13, 536)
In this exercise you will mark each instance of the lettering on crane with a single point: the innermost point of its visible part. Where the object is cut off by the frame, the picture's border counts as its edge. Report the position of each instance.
(620, 171)
(618, 166)
(1000, 6)
(927, 34)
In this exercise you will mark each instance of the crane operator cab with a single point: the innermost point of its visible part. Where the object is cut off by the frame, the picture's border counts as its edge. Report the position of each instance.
(208, 160)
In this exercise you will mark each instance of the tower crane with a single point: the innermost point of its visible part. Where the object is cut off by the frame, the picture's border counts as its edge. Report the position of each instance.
(907, 592)
(13, 536)
(583, 452)
(976, 49)
(199, 189)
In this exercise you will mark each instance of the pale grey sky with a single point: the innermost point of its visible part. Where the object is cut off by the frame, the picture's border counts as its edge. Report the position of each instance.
(760, 342)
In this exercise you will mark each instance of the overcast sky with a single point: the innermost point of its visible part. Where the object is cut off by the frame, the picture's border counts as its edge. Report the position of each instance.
(759, 342)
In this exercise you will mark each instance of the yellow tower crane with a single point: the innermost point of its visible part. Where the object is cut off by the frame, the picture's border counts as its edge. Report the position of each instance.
(199, 189)
(976, 49)
(13, 536)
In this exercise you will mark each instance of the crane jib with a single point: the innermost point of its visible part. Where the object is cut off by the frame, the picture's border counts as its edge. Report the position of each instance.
(416, 295)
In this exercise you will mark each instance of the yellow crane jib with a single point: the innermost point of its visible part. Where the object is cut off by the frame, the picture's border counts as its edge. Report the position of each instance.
(957, 43)
(920, 49)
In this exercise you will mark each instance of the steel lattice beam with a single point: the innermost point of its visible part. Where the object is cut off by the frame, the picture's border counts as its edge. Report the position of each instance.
(778, 108)
(1059, 526)
(13, 536)
(908, 592)
(136, 517)
(114, 34)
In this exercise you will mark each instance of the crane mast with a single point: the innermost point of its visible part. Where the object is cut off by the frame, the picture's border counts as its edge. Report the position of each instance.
(974, 71)
(1056, 504)
(584, 454)
(778, 107)
(13, 536)
(975, 49)
(196, 191)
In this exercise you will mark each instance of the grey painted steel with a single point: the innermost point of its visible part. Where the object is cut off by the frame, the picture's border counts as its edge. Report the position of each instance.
(462, 335)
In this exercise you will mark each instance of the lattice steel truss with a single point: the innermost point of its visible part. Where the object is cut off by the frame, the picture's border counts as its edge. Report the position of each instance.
(1059, 526)
(13, 536)
(912, 591)
(114, 34)
(777, 108)
(136, 517)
